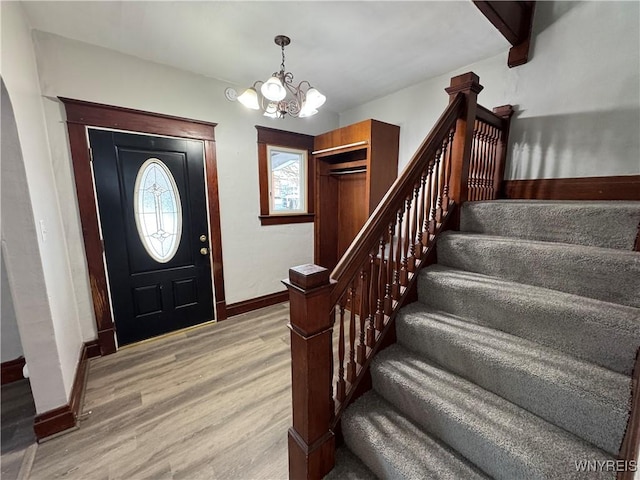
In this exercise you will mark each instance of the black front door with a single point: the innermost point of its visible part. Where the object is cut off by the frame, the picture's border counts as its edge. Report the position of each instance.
(153, 215)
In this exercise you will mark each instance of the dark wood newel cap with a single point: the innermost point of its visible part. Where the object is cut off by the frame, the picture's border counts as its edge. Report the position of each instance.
(467, 82)
(308, 276)
(504, 111)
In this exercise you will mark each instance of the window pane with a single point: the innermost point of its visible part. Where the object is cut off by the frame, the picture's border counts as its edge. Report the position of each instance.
(158, 211)
(287, 182)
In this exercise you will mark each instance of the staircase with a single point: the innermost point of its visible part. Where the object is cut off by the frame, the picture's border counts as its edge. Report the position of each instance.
(516, 361)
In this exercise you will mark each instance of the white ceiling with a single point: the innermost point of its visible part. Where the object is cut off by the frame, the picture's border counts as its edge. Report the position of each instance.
(351, 51)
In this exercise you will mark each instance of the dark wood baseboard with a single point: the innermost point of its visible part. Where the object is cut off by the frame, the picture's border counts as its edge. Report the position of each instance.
(66, 417)
(624, 187)
(93, 348)
(12, 370)
(256, 303)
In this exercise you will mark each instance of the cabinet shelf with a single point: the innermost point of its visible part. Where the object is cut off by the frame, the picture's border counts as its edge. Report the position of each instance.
(355, 166)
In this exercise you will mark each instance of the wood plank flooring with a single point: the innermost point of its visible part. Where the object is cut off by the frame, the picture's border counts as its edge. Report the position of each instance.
(18, 412)
(208, 403)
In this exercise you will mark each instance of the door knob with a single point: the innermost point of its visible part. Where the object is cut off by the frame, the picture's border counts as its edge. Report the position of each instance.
(203, 238)
(204, 251)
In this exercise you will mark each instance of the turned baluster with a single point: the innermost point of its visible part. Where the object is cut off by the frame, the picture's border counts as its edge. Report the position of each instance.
(351, 366)
(446, 158)
(361, 353)
(341, 386)
(379, 320)
(414, 226)
(371, 331)
(436, 193)
(388, 297)
(404, 272)
(427, 218)
(396, 275)
(418, 247)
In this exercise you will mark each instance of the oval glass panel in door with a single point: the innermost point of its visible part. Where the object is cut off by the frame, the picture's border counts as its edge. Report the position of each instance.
(157, 209)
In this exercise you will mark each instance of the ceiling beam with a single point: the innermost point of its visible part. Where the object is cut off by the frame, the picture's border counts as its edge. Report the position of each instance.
(514, 21)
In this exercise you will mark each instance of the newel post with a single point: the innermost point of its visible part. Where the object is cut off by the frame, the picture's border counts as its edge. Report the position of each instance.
(504, 112)
(311, 442)
(469, 85)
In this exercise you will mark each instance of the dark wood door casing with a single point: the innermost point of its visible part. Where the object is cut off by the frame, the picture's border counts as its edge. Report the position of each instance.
(80, 116)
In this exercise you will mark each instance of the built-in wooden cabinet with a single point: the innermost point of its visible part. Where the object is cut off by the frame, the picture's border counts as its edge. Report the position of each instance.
(355, 166)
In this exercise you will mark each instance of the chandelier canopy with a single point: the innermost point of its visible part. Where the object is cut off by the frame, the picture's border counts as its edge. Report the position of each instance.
(278, 96)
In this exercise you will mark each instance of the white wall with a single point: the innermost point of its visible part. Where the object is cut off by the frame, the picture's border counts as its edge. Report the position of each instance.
(11, 347)
(577, 99)
(37, 265)
(255, 258)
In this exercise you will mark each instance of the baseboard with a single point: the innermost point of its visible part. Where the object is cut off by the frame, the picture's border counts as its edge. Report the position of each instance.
(12, 370)
(256, 303)
(623, 187)
(66, 417)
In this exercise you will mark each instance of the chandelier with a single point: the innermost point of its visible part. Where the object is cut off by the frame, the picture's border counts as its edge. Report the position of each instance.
(278, 96)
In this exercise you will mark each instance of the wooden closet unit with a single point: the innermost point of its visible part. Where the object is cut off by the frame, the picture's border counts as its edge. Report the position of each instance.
(355, 166)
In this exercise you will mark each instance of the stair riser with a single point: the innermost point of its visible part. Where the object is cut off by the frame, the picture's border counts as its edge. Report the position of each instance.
(601, 421)
(440, 405)
(587, 272)
(611, 225)
(605, 334)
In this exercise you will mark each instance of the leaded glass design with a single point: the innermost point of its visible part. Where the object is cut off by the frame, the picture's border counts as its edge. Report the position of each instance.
(157, 209)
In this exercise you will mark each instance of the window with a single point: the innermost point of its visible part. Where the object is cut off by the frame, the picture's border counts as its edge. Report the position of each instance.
(287, 180)
(158, 213)
(286, 176)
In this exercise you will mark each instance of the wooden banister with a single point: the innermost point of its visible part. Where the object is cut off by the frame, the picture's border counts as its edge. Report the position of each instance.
(461, 158)
(348, 265)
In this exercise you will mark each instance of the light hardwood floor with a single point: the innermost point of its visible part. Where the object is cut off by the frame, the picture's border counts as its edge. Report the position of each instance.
(209, 403)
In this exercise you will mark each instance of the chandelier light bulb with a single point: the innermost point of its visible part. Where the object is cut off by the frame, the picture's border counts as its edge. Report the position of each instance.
(273, 89)
(307, 110)
(249, 99)
(314, 99)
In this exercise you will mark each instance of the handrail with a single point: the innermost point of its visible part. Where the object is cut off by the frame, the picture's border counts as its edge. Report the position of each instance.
(357, 252)
(461, 159)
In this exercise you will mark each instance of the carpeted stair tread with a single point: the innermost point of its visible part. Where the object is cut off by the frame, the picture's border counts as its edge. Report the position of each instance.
(502, 439)
(584, 399)
(594, 223)
(407, 453)
(349, 467)
(603, 333)
(601, 273)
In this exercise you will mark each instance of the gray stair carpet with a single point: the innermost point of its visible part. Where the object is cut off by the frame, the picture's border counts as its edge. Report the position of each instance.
(597, 224)
(601, 332)
(601, 273)
(515, 362)
(349, 467)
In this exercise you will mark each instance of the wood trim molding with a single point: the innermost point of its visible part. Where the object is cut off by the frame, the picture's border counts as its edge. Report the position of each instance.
(631, 440)
(514, 20)
(120, 118)
(625, 187)
(12, 370)
(80, 115)
(66, 417)
(256, 303)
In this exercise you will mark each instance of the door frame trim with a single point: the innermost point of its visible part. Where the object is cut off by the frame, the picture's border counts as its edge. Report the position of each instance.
(82, 115)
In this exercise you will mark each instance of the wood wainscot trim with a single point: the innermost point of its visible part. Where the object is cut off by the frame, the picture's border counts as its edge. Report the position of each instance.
(12, 370)
(256, 303)
(66, 417)
(623, 187)
(81, 115)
